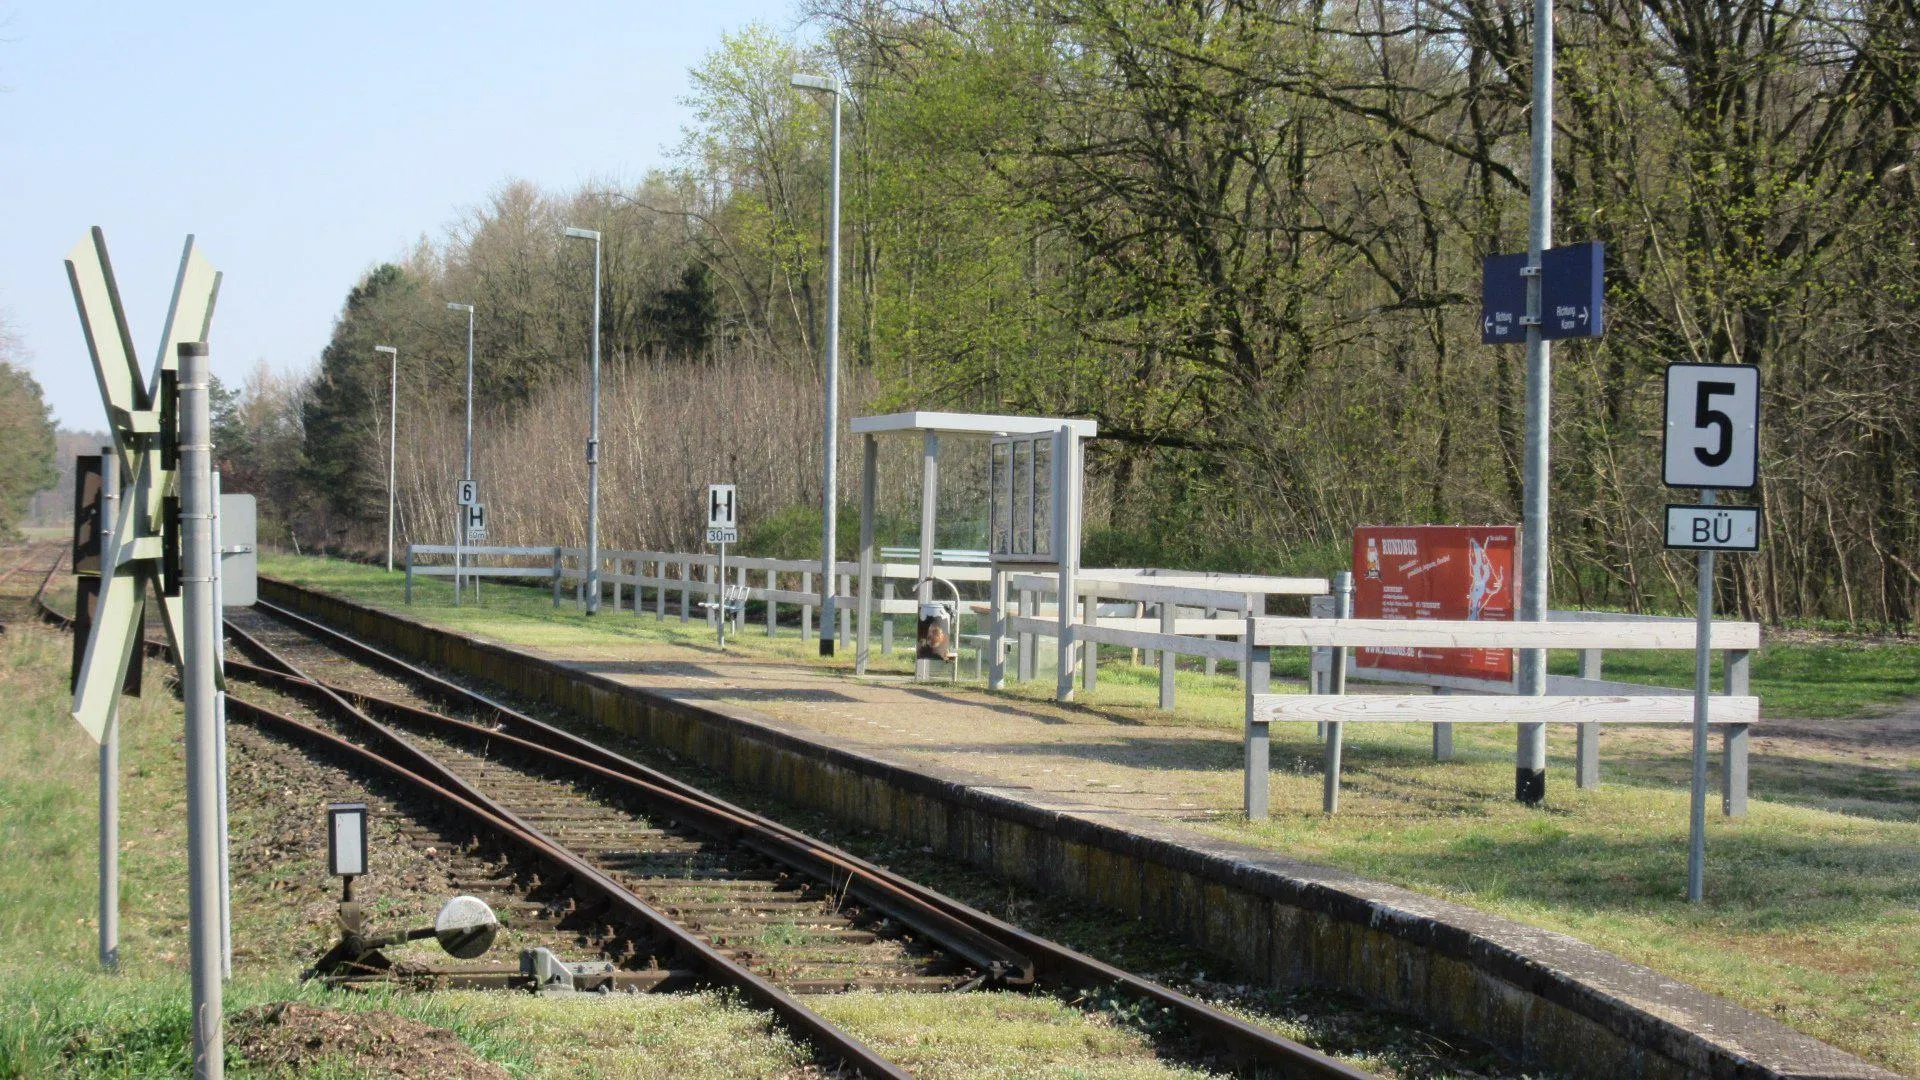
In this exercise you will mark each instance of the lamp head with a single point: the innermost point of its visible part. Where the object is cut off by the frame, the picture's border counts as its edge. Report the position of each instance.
(390, 350)
(451, 306)
(583, 234)
(826, 84)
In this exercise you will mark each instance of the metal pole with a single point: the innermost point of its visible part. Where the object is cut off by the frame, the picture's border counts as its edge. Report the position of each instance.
(467, 473)
(869, 468)
(830, 494)
(929, 503)
(720, 596)
(593, 452)
(1530, 752)
(1702, 673)
(197, 678)
(220, 729)
(109, 737)
(393, 442)
(1066, 518)
(1336, 684)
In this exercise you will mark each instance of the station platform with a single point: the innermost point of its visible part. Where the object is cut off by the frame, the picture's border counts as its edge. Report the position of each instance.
(1128, 816)
(1082, 758)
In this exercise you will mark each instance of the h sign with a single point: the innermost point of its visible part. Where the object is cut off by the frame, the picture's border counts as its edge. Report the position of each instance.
(1713, 426)
(722, 513)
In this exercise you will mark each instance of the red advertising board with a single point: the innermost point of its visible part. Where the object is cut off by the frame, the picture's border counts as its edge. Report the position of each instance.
(1436, 572)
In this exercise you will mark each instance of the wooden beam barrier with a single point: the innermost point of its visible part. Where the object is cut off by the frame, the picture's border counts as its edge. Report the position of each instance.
(1424, 709)
(1459, 634)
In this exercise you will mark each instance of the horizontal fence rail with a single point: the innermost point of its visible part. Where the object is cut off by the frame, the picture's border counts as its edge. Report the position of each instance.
(1160, 615)
(1733, 712)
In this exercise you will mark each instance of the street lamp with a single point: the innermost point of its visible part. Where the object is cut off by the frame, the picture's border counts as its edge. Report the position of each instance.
(393, 418)
(827, 84)
(593, 435)
(466, 473)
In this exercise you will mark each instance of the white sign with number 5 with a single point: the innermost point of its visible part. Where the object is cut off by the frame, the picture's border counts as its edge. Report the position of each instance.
(1713, 426)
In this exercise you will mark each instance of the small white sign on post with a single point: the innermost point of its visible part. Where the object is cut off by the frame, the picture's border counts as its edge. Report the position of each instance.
(1713, 426)
(468, 492)
(723, 520)
(476, 523)
(1712, 442)
(723, 515)
(1713, 528)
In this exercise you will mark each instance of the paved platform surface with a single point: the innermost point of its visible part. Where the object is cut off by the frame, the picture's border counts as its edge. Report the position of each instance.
(1172, 771)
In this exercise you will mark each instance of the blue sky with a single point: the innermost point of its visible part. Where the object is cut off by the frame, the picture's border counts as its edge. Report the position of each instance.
(302, 144)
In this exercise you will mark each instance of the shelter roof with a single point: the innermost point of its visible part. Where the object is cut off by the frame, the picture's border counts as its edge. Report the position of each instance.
(969, 424)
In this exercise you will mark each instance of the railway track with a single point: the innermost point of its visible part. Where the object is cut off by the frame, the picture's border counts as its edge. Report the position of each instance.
(26, 559)
(670, 883)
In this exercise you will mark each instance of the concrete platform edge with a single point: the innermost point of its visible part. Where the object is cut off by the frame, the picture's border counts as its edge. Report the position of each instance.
(1546, 998)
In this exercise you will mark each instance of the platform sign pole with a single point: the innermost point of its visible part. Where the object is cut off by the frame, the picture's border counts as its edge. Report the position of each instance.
(109, 744)
(220, 731)
(723, 521)
(1530, 751)
(198, 685)
(1712, 442)
(1702, 686)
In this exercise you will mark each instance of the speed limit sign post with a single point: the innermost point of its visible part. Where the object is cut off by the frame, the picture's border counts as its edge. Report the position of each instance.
(1712, 443)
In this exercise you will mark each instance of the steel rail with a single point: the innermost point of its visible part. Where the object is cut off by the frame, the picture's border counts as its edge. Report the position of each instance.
(1054, 966)
(57, 618)
(829, 1040)
(838, 870)
(952, 934)
(25, 558)
(810, 859)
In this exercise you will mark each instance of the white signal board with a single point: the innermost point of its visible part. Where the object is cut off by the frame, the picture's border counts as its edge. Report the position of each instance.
(722, 510)
(723, 515)
(1713, 426)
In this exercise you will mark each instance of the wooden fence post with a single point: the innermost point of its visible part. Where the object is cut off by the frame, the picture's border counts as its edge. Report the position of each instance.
(886, 620)
(1733, 767)
(1090, 650)
(1586, 744)
(1167, 656)
(1259, 668)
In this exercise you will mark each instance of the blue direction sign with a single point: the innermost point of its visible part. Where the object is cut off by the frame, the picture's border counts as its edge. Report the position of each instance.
(1571, 290)
(1503, 299)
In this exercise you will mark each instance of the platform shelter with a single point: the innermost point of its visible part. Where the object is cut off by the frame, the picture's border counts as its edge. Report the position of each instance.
(1034, 507)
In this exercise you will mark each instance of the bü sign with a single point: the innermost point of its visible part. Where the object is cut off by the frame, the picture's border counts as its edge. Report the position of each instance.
(1436, 572)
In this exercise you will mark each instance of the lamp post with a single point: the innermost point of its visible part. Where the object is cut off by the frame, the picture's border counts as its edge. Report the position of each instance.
(593, 436)
(829, 495)
(466, 472)
(393, 417)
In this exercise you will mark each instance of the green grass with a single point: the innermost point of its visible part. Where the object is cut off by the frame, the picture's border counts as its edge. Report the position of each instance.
(1813, 912)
